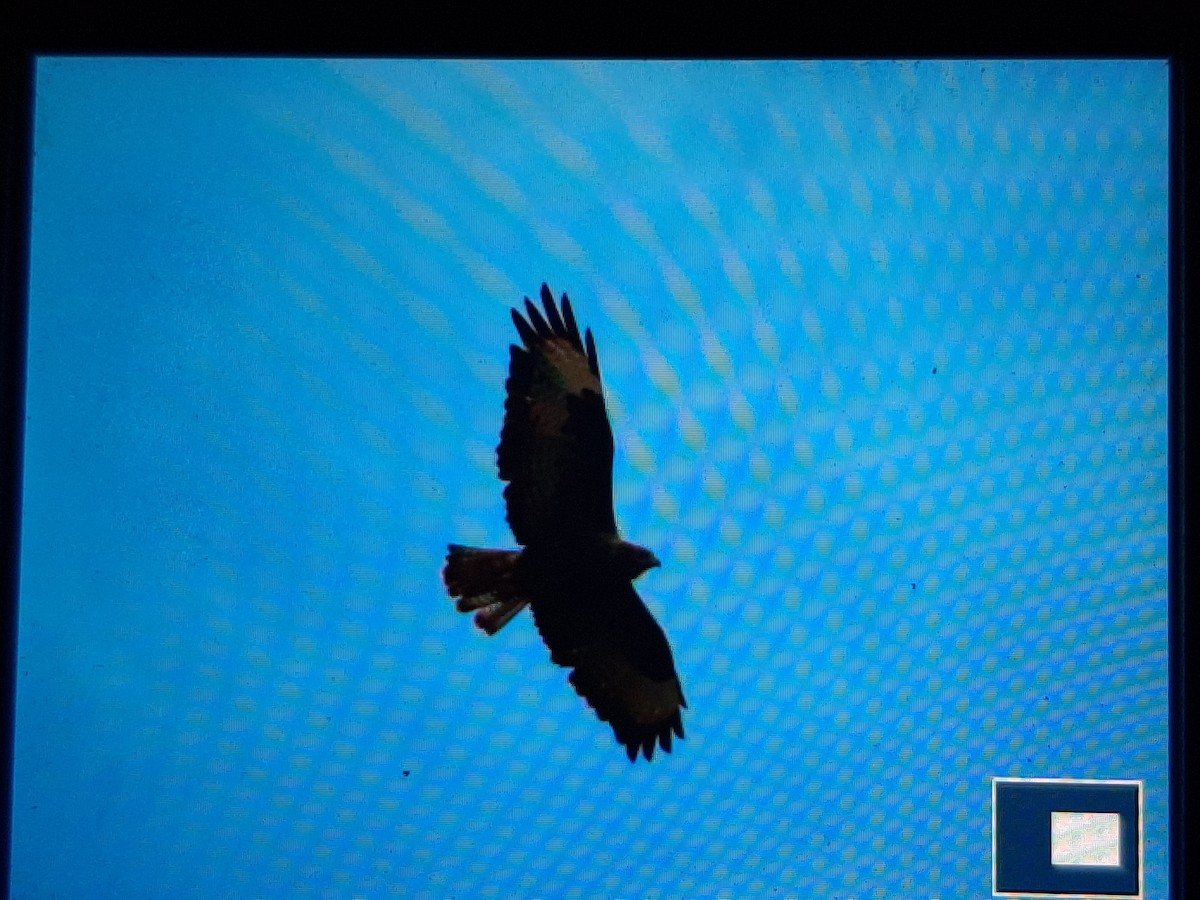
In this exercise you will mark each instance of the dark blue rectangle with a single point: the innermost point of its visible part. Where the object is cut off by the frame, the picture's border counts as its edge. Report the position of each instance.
(1022, 842)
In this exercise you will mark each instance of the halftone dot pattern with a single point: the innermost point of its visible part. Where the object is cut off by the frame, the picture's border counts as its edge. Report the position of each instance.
(885, 354)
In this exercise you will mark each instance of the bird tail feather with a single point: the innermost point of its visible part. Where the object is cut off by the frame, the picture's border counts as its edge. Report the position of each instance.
(484, 581)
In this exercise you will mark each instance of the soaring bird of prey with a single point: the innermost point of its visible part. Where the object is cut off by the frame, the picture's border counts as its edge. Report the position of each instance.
(574, 571)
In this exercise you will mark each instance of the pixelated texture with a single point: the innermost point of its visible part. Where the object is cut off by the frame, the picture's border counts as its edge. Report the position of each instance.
(885, 347)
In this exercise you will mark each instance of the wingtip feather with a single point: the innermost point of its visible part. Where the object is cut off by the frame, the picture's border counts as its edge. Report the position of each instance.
(593, 359)
(523, 329)
(569, 320)
(535, 318)
(555, 320)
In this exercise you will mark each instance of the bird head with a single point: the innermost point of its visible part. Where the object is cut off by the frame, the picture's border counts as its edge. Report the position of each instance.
(633, 559)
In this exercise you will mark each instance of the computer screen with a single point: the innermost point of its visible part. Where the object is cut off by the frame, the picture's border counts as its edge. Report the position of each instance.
(883, 350)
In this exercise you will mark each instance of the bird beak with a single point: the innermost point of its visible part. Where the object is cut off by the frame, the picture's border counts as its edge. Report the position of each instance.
(655, 564)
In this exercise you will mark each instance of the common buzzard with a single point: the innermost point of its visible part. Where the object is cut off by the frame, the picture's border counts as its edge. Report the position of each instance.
(574, 571)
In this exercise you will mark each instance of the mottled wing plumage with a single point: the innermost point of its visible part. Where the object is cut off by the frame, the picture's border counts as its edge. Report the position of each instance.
(556, 445)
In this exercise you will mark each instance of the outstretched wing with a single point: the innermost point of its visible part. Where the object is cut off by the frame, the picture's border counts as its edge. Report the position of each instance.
(556, 446)
(622, 662)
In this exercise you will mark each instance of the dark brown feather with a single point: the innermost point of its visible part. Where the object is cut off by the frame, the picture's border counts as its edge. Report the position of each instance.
(552, 316)
(556, 444)
(598, 626)
(575, 573)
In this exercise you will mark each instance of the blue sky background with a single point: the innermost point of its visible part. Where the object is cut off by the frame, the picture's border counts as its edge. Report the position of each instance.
(885, 352)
